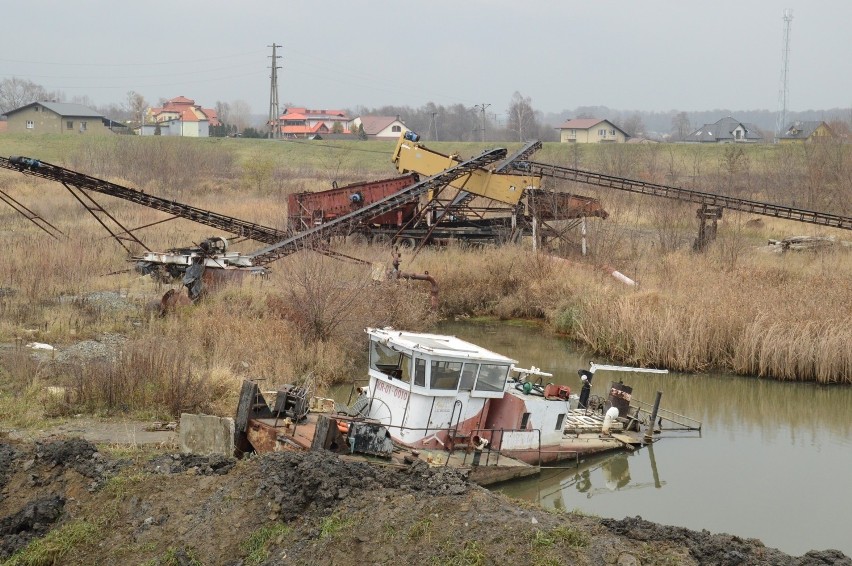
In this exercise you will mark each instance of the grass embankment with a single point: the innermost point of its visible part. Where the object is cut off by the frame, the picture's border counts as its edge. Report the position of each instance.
(732, 308)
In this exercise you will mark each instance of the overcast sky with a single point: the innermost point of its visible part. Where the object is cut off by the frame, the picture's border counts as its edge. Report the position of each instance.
(626, 54)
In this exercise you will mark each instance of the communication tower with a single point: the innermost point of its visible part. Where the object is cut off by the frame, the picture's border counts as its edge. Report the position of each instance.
(784, 93)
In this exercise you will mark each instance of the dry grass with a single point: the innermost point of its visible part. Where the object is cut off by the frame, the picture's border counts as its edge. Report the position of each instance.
(732, 308)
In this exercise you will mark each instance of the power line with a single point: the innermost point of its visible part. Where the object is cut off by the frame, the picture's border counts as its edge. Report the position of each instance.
(481, 108)
(274, 129)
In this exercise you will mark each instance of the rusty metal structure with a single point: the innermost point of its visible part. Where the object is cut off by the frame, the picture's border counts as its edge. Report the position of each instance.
(493, 197)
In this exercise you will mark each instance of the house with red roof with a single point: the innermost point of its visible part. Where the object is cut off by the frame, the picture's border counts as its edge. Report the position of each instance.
(379, 127)
(304, 122)
(591, 130)
(180, 116)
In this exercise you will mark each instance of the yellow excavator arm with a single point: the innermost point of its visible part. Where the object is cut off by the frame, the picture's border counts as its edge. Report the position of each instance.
(411, 156)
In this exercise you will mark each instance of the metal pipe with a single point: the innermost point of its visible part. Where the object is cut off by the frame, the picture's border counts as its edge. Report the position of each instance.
(649, 430)
(417, 277)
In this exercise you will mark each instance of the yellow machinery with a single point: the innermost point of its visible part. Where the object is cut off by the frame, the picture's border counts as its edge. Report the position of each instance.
(410, 156)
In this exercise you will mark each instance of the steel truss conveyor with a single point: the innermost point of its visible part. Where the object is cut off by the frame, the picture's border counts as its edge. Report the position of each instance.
(72, 179)
(685, 195)
(345, 223)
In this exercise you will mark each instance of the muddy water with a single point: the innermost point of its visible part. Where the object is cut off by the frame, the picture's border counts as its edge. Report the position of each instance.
(773, 461)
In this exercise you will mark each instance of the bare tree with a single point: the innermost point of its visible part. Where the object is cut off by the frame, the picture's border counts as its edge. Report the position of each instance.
(680, 126)
(239, 113)
(521, 116)
(634, 126)
(136, 105)
(15, 92)
(223, 111)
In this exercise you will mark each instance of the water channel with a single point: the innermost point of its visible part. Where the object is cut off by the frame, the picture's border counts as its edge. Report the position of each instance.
(772, 462)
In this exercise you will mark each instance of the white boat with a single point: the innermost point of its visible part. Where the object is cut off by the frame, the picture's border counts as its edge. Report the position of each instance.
(451, 402)
(433, 391)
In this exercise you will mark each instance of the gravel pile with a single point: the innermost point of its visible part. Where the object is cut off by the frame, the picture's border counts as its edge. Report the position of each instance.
(180, 463)
(106, 347)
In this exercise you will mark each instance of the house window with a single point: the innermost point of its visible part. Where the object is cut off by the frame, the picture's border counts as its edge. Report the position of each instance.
(82, 126)
(396, 129)
(30, 125)
(69, 125)
(602, 133)
(612, 132)
(573, 132)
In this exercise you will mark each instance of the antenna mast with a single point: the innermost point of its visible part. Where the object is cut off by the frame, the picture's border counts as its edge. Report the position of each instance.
(274, 129)
(784, 92)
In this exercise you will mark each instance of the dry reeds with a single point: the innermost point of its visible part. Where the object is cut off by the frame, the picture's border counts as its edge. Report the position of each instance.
(784, 317)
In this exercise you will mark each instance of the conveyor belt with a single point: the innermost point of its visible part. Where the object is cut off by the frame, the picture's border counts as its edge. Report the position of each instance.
(675, 193)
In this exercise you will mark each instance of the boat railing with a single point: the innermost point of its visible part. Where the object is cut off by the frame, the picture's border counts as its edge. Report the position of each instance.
(676, 421)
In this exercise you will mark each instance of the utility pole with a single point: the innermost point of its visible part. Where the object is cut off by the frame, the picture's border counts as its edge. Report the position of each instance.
(274, 130)
(784, 92)
(435, 124)
(481, 108)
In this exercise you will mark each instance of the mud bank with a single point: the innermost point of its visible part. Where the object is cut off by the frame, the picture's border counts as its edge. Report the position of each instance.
(63, 501)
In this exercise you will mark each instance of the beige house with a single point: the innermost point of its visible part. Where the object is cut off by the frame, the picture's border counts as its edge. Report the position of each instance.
(379, 127)
(807, 131)
(591, 130)
(60, 118)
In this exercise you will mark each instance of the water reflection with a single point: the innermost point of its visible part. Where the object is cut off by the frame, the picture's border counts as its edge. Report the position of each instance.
(803, 411)
(767, 465)
(603, 475)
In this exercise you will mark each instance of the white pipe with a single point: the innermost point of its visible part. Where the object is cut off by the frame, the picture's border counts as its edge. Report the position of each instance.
(623, 278)
(593, 367)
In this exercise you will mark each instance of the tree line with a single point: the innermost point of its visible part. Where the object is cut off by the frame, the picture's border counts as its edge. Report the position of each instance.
(517, 121)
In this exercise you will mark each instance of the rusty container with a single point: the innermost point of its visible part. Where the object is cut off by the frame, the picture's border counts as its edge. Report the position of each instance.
(620, 396)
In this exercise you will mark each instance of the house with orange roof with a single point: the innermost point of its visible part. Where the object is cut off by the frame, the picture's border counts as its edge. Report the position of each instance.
(180, 116)
(304, 122)
(591, 130)
(379, 127)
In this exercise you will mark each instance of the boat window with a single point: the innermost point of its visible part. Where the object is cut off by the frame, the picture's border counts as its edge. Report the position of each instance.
(560, 420)
(492, 377)
(405, 366)
(445, 375)
(468, 376)
(420, 372)
(388, 361)
(525, 421)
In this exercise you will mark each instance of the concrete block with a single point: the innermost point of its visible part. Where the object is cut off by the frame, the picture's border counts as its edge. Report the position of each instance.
(206, 434)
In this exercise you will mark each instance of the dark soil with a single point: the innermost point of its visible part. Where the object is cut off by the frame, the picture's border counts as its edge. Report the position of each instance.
(312, 508)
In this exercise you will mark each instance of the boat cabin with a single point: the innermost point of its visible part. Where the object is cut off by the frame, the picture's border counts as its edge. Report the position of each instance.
(424, 383)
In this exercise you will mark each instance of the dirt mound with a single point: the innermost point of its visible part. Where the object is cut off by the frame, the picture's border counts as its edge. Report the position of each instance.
(312, 508)
(720, 549)
(79, 455)
(320, 480)
(34, 520)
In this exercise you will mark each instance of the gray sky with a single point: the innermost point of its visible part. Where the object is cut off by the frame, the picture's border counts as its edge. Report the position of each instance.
(625, 54)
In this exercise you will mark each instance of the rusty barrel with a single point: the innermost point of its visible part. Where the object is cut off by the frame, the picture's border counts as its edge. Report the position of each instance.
(619, 397)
